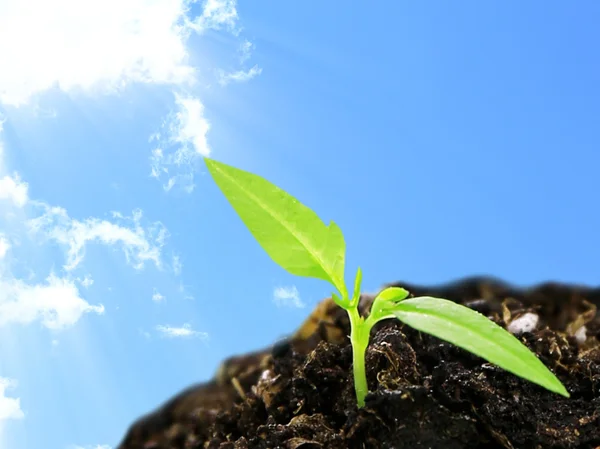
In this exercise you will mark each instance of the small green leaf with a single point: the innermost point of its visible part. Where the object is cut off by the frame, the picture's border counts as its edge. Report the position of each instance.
(474, 332)
(386, 299)
(291, 233)
(392, 294)
(357, 285)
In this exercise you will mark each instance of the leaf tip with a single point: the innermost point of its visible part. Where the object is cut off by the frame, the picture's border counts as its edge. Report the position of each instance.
(559, 388)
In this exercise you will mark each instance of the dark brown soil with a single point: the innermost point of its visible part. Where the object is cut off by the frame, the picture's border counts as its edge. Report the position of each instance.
(425, 393)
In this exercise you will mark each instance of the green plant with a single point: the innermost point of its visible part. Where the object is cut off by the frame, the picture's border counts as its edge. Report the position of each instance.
(296, 239)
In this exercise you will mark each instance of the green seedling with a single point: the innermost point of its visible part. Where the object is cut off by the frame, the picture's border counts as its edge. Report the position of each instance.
(300, 242)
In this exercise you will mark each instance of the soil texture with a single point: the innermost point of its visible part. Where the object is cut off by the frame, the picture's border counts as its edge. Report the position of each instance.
(424, 393)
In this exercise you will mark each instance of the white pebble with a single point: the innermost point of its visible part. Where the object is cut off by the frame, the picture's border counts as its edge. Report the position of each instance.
(525, 323)
(581, 335)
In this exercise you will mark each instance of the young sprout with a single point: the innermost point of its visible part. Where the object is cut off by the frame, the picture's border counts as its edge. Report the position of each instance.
(296, 239)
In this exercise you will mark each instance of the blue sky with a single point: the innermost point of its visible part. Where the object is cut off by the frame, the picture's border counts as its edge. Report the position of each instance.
(444, 140)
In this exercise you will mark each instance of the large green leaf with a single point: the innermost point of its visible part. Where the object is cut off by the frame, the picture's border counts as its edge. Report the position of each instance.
(291, 233)
(474, 332)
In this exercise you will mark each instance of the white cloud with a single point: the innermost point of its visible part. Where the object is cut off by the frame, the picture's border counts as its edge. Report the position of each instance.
(139, 244)
(83, 45)
(101, 46)
(190, 127)
(239, 76)
(183, 144)
(87, 281)
(10, 408)
(182, 140)
(56, 304)
(184, 331)
(13, 189)
(157, 297)
(177, 265)
(287, 296)
(4, 246)
(245, 51)
(216, 15)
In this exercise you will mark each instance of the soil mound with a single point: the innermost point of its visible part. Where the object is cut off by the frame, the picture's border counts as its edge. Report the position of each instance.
(425, 393)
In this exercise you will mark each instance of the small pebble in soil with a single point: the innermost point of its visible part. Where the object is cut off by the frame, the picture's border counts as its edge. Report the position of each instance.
(581, 335)
(525, 323)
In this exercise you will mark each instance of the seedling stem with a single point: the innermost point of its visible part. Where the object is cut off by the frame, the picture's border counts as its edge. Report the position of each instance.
(298, 240)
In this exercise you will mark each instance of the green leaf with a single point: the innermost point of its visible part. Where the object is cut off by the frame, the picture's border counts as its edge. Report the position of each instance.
(291, 233)
(474, 332)
(357, 285)
(386, 299)
(392, 295)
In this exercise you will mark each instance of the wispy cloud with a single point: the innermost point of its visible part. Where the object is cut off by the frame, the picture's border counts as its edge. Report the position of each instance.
(182, 142)
(287, 296)
(87, 281)
(176, 265)
(139, 244)
(245, 51)
(217, 15)
(184, 331)
(239, 76)
(157, 297)
(183, 138)
(10, 408)
(56, 302)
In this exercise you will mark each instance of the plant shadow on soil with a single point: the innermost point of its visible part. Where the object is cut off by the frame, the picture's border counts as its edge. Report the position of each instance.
(424, 393)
